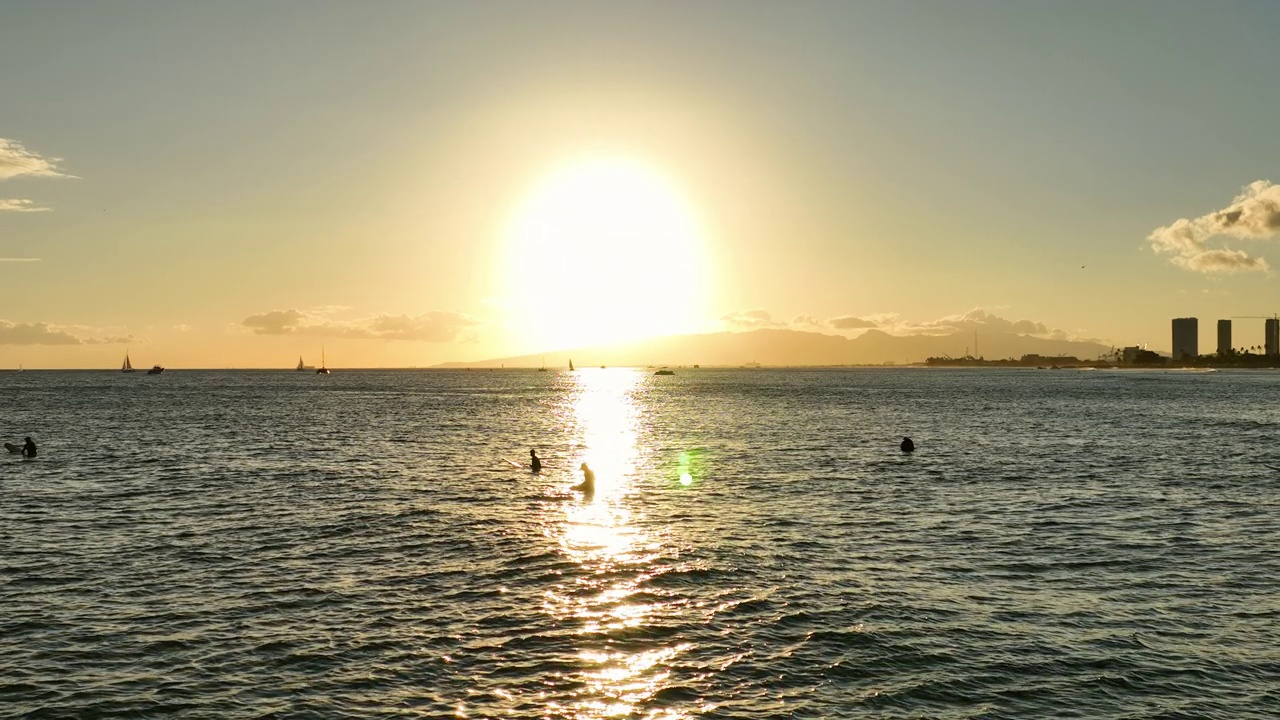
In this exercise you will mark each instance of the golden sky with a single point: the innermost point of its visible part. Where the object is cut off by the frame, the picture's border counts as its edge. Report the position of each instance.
(235, 185)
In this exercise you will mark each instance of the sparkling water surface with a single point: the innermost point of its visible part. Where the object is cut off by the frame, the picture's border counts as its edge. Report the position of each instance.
(278, 544)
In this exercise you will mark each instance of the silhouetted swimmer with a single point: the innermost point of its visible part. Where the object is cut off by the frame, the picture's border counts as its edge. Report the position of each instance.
(588, 484)
(907, 445)
(29, 448)
(534, 462)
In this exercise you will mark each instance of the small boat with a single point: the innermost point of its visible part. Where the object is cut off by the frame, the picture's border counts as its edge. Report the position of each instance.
(301, 367)
(570, 364)
(322, 370)
(127, 366)
(665, 371)
(155, 370)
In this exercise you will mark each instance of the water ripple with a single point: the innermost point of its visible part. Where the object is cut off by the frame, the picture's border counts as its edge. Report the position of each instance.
(286, 545)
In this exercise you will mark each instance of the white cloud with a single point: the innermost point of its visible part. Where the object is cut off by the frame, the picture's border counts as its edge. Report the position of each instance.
(16, 160)
(22, 260)
(753, 319)
(1254, 214)
(434, 326)
(852, 322)
(39, 333)
(976, 319)
(20, 205)
(109, 340)
(1221, 261)
(275, 322)
(34, 334)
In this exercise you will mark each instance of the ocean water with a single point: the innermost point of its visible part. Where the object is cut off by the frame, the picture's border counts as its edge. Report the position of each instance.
(276, 544)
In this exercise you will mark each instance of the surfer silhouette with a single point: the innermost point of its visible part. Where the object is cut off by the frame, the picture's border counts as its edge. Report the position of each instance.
(907, 445)
(588, 484)
(534, 462)
(29, 448)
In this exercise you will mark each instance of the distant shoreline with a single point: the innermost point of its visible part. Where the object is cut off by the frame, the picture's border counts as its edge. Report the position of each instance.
(680, 369)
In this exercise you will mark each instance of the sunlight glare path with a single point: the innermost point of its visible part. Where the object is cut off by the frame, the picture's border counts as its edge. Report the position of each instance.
(606, 598)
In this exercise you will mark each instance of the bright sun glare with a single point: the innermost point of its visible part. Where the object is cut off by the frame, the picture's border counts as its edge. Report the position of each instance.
(604, 251)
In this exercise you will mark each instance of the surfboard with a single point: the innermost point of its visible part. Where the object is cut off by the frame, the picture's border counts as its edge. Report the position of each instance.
(15, 449)
(513, 463)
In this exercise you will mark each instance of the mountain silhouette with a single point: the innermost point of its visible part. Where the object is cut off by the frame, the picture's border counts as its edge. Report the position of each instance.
(798, 348)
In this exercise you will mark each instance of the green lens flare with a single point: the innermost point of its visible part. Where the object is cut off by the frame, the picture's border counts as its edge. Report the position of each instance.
(690, 466)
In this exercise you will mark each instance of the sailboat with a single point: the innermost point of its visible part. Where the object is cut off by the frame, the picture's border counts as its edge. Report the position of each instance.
(322, 370)
(544, 364)
(570, 364)
(301, 367)
(127, 366)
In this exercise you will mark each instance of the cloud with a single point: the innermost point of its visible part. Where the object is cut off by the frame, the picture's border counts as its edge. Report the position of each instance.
(34, 334)
(16, 160)
(1222, 261)
(976, 319)
(276, 322)
(967, 322)
(109, 340)
(1254, 214)
(434, 326)
(752, 319)
(850, 322)
(5, 259)
(20, 205)
(39, 333)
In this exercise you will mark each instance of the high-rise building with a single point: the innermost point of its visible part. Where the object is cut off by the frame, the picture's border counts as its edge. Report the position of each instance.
(1273, 336)
(1224, 338)
(1186, 338)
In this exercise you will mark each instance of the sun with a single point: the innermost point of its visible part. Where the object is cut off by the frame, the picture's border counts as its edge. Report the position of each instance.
(602, 251)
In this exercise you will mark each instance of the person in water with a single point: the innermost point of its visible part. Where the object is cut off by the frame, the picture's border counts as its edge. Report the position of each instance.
(29, 447)
(907, 445)
(534, 462)
(588, 484)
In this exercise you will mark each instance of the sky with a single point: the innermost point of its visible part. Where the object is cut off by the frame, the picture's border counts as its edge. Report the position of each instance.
(401, 184)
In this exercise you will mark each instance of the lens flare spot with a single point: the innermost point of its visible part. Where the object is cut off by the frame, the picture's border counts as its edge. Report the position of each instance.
(686, 479)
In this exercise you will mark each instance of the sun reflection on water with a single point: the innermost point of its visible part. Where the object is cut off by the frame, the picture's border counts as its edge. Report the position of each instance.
(604, 601)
